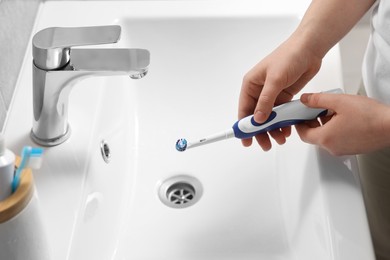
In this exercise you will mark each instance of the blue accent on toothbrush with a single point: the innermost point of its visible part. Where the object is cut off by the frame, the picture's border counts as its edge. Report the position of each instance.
(238, 133)
(323, 113)
(28, 153)
(271, 117)
(181, 145)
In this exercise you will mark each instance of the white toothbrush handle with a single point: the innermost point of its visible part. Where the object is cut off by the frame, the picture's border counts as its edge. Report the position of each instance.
(287, 114)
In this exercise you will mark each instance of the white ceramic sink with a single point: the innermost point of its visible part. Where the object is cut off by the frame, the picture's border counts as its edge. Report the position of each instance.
(294, 202)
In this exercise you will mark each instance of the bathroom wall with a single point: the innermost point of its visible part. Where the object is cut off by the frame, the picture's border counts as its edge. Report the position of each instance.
(16, 22)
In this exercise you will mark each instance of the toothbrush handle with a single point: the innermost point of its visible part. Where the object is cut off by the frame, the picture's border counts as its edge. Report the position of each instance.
(287, 114)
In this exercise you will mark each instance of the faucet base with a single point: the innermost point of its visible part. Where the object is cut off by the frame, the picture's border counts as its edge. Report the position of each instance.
(51, 142)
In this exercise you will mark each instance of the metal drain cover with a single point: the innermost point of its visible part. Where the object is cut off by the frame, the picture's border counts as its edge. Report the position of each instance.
(180, 191)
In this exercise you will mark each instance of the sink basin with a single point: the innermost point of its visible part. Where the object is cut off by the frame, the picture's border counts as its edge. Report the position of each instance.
(294, 202)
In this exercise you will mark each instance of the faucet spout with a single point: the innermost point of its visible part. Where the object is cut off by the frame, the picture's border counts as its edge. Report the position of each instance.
(132, 62)
(51, 87)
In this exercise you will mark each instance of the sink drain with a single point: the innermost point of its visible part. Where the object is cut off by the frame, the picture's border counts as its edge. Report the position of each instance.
(180, 191)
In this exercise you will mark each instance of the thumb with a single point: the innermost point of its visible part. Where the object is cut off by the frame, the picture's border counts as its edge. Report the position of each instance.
(272, 88)
(321, 100)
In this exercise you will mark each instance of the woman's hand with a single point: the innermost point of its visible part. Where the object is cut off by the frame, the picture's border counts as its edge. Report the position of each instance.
(359, 124)
(273, 81)
(286, 70)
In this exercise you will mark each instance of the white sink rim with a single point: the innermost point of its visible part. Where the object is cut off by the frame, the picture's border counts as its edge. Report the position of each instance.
(142, 10)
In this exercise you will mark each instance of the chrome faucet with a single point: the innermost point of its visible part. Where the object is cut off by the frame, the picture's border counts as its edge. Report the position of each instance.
(57, 67)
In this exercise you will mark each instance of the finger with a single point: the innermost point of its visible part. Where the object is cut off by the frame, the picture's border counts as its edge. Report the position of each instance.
(264, 141)
(273, 86)
(274, 91)
(322, 100)
(325, 119)
(252, 85)
(313, 123)
(282, 98)
(246, 142)
(278, 136)
(246, 105)
(309, 131)
(286, 131)
(265, 103)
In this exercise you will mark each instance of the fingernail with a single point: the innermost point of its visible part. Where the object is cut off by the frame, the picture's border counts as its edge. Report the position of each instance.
(305, 98)
(260, 117)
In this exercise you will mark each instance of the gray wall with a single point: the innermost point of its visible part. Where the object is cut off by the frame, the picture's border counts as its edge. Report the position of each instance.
(16, 22)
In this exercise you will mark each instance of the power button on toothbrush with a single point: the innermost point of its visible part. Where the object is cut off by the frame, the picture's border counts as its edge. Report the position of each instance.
(271, 117)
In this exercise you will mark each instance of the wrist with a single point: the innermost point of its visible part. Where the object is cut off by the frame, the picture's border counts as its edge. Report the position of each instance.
(308, 38)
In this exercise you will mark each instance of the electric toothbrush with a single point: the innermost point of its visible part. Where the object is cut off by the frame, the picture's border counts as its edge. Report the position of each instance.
(287, 114)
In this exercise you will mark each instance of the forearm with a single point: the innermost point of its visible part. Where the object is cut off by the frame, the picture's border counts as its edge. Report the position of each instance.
(384, 131)
(327, 21)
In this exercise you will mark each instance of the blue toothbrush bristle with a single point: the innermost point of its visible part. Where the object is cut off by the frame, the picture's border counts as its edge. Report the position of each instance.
(181, 145)
(36, 152)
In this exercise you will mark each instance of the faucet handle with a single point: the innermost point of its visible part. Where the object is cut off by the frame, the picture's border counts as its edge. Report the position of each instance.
(51, 46)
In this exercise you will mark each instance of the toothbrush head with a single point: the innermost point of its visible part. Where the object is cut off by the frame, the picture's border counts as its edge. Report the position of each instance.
(181, 145)
(35, 160)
